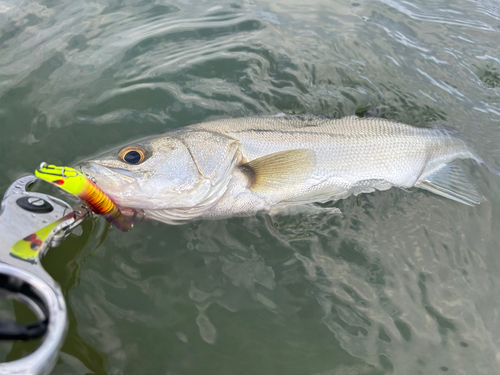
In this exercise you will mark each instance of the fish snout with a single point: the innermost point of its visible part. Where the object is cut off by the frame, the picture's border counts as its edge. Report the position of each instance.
(99, 173)
(88, 170)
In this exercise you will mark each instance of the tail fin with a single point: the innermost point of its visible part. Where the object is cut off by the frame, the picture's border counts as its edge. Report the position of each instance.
(480, 160)
(450, 181)
(490, 168)
(474, 155)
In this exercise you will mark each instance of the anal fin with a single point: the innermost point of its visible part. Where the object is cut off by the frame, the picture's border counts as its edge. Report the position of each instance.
(450, 181)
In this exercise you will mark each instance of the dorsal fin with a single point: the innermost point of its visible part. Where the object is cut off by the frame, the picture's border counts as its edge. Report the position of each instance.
(279, 173)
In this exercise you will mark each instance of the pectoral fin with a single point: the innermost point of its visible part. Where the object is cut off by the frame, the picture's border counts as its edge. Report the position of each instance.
(450, 181)
(279, 173)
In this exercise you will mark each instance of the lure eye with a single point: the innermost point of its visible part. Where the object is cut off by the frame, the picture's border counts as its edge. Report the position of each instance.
(132, 155)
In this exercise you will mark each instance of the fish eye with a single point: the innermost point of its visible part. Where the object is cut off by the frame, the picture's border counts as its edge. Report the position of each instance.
(132, 155)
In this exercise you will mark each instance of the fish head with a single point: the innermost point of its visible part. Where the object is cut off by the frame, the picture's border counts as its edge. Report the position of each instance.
(153, 173)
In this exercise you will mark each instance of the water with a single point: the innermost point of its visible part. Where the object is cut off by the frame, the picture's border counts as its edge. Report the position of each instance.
(404, 282)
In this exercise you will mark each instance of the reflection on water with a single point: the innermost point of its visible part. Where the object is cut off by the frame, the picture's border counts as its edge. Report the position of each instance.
(400, 282)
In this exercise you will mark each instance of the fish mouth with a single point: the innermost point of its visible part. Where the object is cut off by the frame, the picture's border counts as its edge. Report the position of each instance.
(94, 170)
(85, 172)
(91, 170)
(88, 171)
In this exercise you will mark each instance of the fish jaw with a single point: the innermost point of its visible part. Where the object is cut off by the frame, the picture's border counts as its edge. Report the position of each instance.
(112, 181)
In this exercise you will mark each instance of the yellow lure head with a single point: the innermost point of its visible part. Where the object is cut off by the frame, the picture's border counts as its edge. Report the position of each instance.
(76, 183)
(65, 178)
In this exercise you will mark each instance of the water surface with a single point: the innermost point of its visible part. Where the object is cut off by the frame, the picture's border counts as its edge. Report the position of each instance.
(402, 282)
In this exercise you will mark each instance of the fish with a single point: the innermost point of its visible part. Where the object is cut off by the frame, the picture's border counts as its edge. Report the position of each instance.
(244, 166)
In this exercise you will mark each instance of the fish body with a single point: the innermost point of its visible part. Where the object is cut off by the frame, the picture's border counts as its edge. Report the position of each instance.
(238, 167)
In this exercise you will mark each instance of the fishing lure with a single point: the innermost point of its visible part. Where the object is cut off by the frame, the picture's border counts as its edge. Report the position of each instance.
(76, 183)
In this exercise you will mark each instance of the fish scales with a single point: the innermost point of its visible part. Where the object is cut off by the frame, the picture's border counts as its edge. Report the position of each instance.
(237, 167)
(347, 147)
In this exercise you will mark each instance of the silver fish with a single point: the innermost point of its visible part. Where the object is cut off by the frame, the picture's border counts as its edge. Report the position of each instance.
(238, 167)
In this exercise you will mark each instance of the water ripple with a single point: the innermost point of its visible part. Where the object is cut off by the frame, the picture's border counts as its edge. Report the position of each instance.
(399, 282)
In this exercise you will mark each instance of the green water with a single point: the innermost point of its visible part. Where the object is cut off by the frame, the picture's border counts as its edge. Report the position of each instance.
(404, 282)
